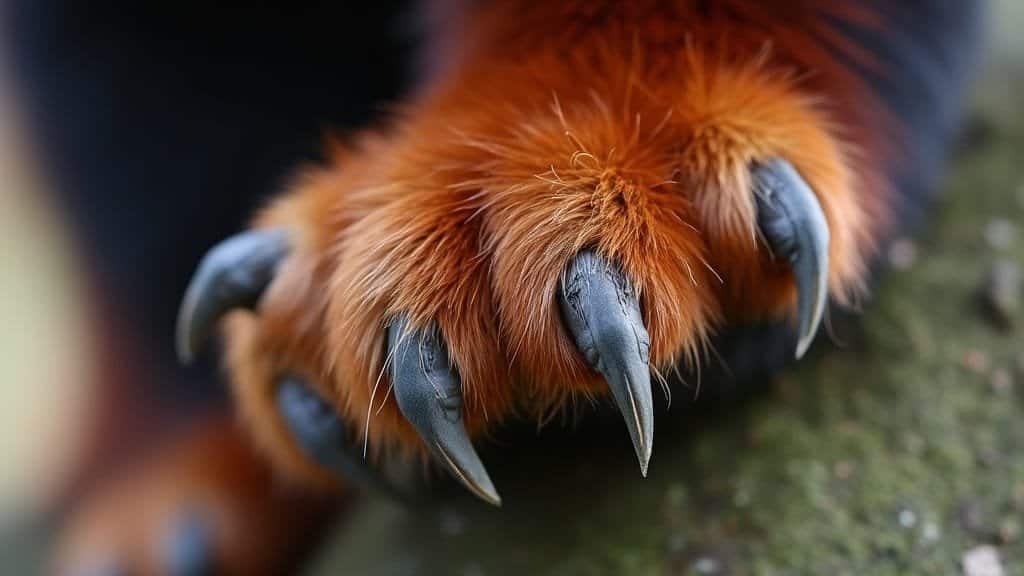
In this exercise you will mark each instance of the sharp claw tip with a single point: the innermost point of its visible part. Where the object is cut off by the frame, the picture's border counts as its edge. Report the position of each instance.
(641, 431)
(479, 483)
(803, 345)
(486, 493)
(643, 455)
(801, 349)
(794, 221)
(493, 499)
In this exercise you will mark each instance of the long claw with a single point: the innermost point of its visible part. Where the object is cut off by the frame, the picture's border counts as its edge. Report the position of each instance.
(601, 311)
(429, 394)
(793, 223)
(233, 274)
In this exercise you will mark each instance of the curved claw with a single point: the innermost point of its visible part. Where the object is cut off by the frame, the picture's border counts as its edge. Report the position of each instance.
(233, 274)
(429, 394)
(601, 311)
(793, 223)
(322, 435)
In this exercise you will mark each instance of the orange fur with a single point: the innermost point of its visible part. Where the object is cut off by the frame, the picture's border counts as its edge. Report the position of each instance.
(629, 127)
(257, 527)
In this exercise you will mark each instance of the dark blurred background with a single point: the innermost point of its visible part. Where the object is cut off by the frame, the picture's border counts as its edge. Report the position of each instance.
(134, 137)
(162, 128)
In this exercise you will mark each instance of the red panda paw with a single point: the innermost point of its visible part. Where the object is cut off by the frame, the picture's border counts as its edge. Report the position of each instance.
(502, 251)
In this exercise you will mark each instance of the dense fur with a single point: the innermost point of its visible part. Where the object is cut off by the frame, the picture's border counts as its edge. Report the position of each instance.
(547, 127)
(631, 127)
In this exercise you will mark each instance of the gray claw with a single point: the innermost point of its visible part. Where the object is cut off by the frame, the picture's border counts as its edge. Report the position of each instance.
(791, 219)
(429, 394)
(601, 311)
(322, 435)
(189, 548)
(233, 274)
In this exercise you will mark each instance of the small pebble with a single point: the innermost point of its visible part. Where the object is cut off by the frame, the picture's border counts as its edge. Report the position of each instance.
(1000, 233)
(706, 565)
(902, 254)
(982, 561)
(907, 518)
(1000, 293)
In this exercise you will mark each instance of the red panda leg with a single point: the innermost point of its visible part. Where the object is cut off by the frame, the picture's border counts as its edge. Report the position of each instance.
(205, 504)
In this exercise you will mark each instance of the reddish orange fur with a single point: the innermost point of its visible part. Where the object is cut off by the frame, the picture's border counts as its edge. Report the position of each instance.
(627, 126)
(258, 527)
